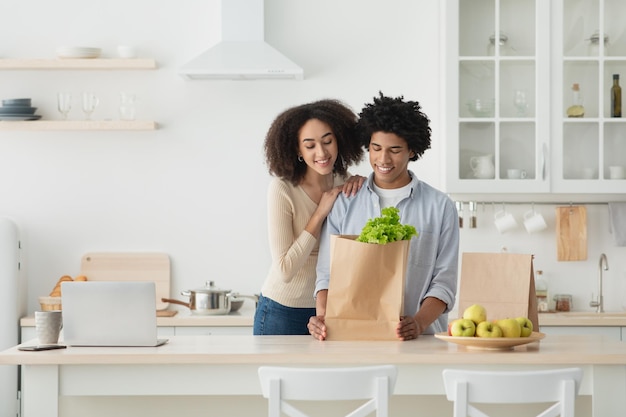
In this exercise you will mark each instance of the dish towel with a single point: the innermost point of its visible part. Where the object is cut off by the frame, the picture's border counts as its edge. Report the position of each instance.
(617, 217)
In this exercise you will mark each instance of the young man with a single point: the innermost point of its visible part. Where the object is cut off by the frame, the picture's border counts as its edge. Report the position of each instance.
(396, 132)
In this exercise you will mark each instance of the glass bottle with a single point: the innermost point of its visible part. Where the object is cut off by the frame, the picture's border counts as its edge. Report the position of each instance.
(576, 109)
(616, 97)
(459, 209)
(472, 209)
(541, 290)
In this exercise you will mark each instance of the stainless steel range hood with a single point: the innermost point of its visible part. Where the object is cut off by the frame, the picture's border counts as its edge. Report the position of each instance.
(242, 53)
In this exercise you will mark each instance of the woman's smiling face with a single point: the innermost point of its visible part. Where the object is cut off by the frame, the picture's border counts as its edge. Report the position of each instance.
(389, 158)
(318, 146)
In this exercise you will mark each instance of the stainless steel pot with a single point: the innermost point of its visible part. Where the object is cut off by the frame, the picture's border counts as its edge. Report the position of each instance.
(209, 301)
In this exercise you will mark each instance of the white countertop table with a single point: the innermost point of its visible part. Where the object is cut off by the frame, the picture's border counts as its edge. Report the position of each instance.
(173, 369)
(245, 318)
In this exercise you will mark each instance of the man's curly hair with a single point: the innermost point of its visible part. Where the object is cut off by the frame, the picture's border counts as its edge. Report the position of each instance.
(394, 115)
(281, 142)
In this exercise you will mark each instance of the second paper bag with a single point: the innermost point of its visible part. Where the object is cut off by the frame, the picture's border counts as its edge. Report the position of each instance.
(366, 289)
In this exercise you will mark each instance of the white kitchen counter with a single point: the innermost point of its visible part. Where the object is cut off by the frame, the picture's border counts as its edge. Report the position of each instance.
(233, 361)
(184, 318)
(245, 317)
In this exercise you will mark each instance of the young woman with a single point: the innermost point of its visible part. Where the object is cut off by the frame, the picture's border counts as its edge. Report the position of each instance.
(308, 149)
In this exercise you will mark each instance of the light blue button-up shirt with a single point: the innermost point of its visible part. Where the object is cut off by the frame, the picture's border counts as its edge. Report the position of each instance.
(432, 267)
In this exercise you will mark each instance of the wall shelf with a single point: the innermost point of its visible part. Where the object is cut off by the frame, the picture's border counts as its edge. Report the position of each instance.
(77, 64)
(80, 125)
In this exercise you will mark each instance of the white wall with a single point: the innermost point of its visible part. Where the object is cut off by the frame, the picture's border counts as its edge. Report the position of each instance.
(578, 278)
(195, 188)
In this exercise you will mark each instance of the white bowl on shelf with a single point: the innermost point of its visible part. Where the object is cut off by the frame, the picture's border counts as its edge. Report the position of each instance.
(78, 52)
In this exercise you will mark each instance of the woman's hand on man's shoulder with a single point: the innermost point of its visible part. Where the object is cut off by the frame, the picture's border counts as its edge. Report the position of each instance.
(352, 185)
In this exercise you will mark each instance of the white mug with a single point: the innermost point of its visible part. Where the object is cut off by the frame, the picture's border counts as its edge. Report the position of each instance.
(126, 51)
(617, 172)
(48, 325)
(516, 173)
(534, 222)
(504, 221)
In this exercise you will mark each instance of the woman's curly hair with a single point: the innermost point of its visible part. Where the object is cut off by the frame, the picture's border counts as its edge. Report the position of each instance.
(281, 142)
(394, 115)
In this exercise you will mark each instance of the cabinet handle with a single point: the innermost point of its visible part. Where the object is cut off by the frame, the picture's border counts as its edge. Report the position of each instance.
(544, 161)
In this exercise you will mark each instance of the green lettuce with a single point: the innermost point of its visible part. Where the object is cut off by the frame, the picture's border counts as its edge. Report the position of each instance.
(386, 228)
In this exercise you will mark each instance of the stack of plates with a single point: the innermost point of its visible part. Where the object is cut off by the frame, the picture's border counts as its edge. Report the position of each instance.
(78, 52)
(18, 109)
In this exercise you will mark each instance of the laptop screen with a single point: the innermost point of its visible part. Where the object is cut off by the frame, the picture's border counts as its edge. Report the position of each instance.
(109, 313)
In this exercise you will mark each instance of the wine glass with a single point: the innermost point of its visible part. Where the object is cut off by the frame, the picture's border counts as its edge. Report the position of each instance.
(64, 103)
(90, 102)
(520, 102)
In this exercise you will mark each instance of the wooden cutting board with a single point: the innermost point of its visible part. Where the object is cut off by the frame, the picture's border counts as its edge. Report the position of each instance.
(571, 233)
(130, 266)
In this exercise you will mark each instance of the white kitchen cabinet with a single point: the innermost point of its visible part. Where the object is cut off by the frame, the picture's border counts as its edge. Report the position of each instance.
(497, 50)
(612, 332)
(588, 146)
(28, 331)
(213, 330)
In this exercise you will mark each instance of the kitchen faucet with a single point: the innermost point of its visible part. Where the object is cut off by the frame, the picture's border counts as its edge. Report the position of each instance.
(599, 303)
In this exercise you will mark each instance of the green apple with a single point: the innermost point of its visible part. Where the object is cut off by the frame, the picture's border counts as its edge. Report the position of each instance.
(475, 313)
(510, 327)
(488, 329)
(462, 327)
(526, 325)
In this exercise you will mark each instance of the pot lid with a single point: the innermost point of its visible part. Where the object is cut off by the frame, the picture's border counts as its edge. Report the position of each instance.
(211, 289)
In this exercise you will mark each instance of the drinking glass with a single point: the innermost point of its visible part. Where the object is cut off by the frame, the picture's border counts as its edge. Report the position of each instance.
(64, 104)
(520, 102)
(90, 102)
(127, 106)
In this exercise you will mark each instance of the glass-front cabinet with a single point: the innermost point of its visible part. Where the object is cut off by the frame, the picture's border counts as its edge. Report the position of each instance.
(590, 49)
(526, 90)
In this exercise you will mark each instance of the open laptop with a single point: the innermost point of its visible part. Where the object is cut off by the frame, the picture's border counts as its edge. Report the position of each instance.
(109, 313)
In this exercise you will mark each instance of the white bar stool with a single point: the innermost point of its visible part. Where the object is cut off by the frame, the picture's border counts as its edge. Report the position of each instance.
(372, 383)
(558, 386)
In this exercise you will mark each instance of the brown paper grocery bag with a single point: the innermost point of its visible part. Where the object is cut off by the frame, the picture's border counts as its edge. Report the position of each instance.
(503, 283)
(366, 290)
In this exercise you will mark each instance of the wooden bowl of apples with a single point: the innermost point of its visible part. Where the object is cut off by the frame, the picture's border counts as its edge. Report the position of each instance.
(474, 331)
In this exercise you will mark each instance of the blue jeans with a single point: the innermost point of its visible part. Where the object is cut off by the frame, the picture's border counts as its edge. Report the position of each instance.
(272, 318)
